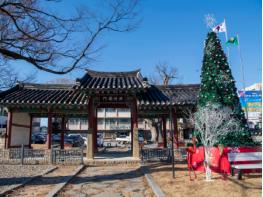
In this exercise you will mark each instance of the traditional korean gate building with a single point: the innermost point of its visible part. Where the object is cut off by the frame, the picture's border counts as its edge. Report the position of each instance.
(93, 91)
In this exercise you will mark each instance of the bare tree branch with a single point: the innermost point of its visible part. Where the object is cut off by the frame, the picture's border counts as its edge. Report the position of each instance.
(61, 81)
(31, 33)
(9, 77)
(165, 74)
(213, 122)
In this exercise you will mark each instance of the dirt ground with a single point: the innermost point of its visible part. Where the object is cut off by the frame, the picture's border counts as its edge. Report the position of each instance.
(249, 186)
(110, 181)
(42, 185)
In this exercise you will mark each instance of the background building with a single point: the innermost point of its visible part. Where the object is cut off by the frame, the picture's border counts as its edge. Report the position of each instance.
(111, 122)
(251, 101)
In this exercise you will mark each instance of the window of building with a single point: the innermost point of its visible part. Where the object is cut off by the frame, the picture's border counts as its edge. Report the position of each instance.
(100, 109)
(124, 121)
(100, 121)
(124, 110)
(107, 121)
(84, 121)
(74, 121)
(110, 109)
(113, 121)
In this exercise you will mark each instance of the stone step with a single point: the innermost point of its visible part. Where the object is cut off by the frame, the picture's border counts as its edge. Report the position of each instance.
(112, 162)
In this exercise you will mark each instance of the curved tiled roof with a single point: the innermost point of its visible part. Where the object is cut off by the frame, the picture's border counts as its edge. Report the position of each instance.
(160, 95)
(111, 80)
(182, 93)
(77, 94)
(43, 94)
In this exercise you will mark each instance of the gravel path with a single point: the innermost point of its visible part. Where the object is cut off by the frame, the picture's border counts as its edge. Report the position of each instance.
(42, 185)
(108, 181)
(13, 175)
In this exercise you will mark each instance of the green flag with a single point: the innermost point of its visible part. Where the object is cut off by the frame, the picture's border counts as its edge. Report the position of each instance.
(232, 40)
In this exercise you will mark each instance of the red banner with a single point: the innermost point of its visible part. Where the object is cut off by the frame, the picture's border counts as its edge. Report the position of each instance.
(218, 158)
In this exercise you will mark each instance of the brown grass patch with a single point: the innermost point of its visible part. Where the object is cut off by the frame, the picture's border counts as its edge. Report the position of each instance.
(250, 185)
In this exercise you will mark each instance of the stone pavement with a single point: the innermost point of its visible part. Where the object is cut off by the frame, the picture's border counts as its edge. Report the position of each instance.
(113, 181)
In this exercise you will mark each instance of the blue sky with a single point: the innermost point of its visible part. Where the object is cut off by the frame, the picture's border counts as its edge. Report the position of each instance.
(174, 31)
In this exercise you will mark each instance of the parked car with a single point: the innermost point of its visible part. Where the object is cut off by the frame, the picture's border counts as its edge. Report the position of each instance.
(38, 138)
(123, 139)
(77, 139)
(68, 141)
(56, 137)
(100, 141)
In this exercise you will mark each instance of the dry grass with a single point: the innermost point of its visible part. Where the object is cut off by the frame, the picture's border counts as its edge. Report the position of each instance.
(250, 185)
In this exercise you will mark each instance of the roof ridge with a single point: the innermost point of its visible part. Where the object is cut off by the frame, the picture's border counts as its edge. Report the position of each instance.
(113, 73)
(45, 86)
(179, 86)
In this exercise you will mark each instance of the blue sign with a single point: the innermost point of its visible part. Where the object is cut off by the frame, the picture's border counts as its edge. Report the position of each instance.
(251, 100)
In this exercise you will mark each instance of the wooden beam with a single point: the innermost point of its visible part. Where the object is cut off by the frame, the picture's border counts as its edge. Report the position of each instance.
(95, 126)
(134, 119)
(10, 119)
(6, 137)
(90, 136)
(164, 133)
(175, 128)
(49, 135)
(63, 127)
(30, 130)
(20, 125)
(112, 105)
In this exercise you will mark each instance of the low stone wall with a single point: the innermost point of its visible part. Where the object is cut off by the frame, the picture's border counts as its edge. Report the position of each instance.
(35, 156)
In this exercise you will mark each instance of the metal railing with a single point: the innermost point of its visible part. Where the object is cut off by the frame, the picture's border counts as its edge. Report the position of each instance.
(163, 154)
(69, 156)
(38, 156)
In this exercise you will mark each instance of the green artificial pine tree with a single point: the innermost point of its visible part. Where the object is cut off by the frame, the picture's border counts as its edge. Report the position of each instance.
(218, 86)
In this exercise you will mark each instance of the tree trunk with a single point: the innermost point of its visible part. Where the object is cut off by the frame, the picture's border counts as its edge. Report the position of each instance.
(208, 173)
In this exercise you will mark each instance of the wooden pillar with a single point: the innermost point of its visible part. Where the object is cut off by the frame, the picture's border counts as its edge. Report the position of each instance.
(9, 128)
(175, 129)
(30, 131)
(164, 133)
(135, 132)
(95, 129)
(131, 129)
(5, 137)
(90, 136)
(63, 127)
(49, 134)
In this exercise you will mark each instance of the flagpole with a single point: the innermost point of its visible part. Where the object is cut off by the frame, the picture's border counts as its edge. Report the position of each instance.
(227, 48)
(243, 75)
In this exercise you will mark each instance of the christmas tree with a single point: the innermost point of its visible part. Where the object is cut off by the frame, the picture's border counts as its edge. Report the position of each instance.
(218, 86)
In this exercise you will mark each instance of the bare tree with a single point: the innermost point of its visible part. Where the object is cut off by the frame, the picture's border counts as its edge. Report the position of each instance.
(165, 74)
(155, 125)
(9, 77)
(32, 33)
(61, 81)
(213, 122)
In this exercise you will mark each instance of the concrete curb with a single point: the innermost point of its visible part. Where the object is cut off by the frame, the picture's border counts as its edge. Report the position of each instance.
(27, 181)
(59, 186)
(156, 189)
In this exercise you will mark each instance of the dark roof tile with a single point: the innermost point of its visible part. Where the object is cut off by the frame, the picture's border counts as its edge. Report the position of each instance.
(42, 94)
(111, 80)
(160, 95)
